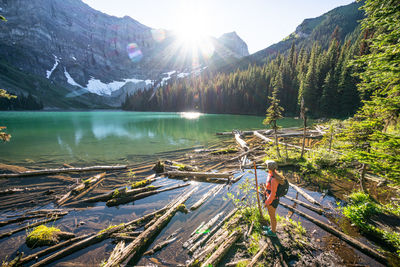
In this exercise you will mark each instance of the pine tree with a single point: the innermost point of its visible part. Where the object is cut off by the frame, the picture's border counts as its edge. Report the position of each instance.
(274, 113)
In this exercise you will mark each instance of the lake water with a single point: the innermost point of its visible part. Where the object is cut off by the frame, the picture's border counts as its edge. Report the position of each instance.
(107, 137)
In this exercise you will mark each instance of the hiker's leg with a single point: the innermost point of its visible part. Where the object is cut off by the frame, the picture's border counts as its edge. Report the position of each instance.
(271, 212)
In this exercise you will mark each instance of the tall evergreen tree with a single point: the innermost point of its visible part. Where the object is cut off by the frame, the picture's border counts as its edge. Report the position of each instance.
(274, 113)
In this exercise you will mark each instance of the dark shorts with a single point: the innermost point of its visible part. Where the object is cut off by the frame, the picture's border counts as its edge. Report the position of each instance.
(275, 203)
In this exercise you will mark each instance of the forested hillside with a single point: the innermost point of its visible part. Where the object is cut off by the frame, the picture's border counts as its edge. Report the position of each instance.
(323, 77)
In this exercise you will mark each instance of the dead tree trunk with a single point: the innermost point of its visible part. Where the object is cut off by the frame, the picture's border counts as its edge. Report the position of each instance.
(130, 198)
(94, 239)
(304, 194)
(241, 142)
(317, 210)
(254, 260)
(198, 174)
(215, 258)
(348, 239)
(63, 170)
(202, 231)
(205, 197)
(149, 233)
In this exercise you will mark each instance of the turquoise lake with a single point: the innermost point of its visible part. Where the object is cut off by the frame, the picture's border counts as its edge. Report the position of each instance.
(111, 137)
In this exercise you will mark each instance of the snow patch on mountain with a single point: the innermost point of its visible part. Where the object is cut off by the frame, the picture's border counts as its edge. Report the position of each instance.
(98, 87)
(70, 80)
(49, 72)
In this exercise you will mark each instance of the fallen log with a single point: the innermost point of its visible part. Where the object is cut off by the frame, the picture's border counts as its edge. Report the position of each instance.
(130, 198)
(348, 239)
(236, 179)
(29, 226)
(304, 194)
(94, 239)
(242, 154)
(92, 185)
(254, 260)
(161, 245)
(84, 184)
(203, 230)
(62, 170)
(28, 217)
(109, 195)
(246, 132)
(215, 258)
(317, 210)
(51, 249)
(266, 139)
(202, 241)
(198, 174)
(205, 197)
(144, 238)
(241, 142)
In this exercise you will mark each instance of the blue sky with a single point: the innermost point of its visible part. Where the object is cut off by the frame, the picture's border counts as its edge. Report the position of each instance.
(259, 23)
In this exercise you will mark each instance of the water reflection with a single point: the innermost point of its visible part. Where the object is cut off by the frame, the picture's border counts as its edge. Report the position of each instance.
(108, 137)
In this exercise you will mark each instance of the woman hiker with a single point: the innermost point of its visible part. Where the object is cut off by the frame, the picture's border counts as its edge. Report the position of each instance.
(272, 201)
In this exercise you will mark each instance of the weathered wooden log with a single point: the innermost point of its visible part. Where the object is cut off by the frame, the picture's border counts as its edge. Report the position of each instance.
(215, 258)
(236, 179)
(304, 194)
(250, 230)
(198, 174)
(266, 139)
(246, 132)
(203, 230)
(29, 226)
(242, 154)
(125, 199)
(93, 239)
(28, 217)
(77, 189)
(90, 185)
(348, 239)
(198, 228)
(317, 210)
(117, 250)
(51, 249)
(241, 142)
(109, 195)
(62, 170)
(202, 241)
(160, 246)
(144, 238)
(205, 197)
(254, 260)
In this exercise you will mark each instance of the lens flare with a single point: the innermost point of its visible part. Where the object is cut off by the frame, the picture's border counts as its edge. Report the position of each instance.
(190, 115)
(158, 34)
(134, 52)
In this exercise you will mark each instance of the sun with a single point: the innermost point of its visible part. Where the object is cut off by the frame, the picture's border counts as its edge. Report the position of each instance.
(192, 28)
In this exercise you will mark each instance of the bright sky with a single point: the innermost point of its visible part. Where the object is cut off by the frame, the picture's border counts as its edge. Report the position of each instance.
(260, 23)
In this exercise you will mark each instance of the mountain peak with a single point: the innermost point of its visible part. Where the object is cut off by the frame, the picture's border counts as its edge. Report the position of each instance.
(233, 42)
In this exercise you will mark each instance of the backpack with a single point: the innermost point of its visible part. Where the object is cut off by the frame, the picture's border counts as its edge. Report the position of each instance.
(282, 189)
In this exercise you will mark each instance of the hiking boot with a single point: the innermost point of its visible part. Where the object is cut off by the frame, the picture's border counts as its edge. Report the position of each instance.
(269, 233)
(266, 228)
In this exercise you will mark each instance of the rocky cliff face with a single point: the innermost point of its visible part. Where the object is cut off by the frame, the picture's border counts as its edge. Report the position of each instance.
(84, 50)
(235, 44)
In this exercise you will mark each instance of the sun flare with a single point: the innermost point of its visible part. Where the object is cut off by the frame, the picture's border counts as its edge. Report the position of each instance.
(192, 28)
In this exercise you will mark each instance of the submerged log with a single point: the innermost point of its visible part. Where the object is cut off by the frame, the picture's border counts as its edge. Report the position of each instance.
(203, 230)
(30, 226)
(51, 249)
(304, 194)
(160, 246)
(317, 210)
(144, 238)
(77, 189)
(215, 258)
(236, 179)
(211, 192)
(246, 132)
(62, 170)
(348, 239)
(125, 199)
(28, 217)
(94, 239)
(198, 174)
(202, 241)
